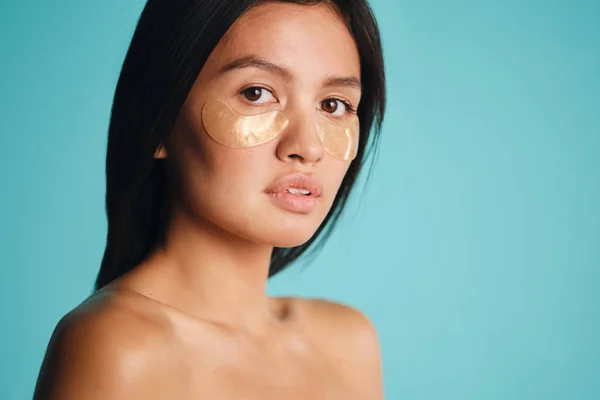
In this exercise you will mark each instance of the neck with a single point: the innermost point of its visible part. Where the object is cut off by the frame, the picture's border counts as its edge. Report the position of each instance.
(213, 273)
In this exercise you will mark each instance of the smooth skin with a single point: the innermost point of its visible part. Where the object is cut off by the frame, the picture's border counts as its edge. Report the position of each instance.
(193, 321)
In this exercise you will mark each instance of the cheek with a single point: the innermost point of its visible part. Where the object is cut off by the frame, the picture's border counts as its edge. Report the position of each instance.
(333, 175)
(222, 177)
(219, 173)
(207, 165)
(225, 188)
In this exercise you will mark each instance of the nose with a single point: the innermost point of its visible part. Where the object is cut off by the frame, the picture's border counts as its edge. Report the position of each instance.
(300, 141)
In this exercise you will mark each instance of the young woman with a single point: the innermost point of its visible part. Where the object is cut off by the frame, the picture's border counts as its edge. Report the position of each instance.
(236, 137)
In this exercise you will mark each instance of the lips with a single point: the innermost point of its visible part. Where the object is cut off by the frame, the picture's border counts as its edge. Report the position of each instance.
(296, 184)
(296, 193)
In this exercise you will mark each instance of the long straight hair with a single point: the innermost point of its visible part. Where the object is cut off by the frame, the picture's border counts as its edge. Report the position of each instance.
(170, 45)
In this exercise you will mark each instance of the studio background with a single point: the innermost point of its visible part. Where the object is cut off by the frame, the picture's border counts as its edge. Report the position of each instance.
(475, 250)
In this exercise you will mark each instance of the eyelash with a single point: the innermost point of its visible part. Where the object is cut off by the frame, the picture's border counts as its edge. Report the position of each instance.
(349, 108)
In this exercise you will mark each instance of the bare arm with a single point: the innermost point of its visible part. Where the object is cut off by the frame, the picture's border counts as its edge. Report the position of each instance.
(351, 341)
(107, 356)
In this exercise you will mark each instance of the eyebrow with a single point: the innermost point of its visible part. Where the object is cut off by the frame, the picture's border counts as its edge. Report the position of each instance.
(257, 62)
(348, 81)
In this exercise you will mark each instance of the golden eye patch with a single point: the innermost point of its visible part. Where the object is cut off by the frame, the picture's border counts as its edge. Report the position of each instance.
(340, 139)
(230, 128)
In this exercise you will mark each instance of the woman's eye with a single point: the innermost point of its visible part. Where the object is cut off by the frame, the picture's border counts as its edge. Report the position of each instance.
(334, 107)
(257, 94)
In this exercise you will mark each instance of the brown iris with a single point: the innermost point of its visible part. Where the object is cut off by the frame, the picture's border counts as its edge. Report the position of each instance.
(253, 93)
(329, 105)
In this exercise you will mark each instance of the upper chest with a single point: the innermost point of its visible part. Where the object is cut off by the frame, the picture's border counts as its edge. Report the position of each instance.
(291, 367)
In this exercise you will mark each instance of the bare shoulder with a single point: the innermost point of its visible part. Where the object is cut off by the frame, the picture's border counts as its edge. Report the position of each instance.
(105, 348)
(349, 339)
(332, 316)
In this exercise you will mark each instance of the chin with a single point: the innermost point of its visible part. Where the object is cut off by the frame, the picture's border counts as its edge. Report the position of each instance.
(290, 239)
(287, 235)
(291, 229)
(267, 225)
(284, 231)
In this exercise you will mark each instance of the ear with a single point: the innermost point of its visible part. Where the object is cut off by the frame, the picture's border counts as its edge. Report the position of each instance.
(160, 152)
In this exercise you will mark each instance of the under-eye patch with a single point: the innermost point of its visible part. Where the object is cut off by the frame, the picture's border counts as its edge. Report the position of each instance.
(232, 129)
(340, 139)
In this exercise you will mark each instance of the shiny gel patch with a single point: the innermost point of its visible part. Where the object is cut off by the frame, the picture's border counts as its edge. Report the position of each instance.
(340, 139)
(230, 128)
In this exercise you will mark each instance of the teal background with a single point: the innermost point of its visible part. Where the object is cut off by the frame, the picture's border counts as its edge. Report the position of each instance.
(475, 250)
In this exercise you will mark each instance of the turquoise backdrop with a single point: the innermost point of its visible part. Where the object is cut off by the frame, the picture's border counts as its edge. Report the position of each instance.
(475, 250)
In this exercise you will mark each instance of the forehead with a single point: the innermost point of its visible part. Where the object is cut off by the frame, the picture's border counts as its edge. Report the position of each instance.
(301, 38)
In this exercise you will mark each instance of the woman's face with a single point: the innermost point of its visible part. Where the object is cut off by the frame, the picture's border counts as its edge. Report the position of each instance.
(297, 67)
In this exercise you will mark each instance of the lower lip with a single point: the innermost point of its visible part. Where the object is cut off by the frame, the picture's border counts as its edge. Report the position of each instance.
(294, 202)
